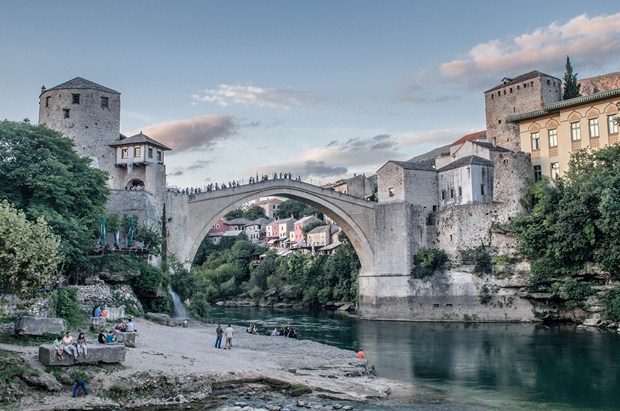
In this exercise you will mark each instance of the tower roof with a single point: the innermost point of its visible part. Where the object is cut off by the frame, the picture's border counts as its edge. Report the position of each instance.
(138, 139)
(506, 81)
(81, 83)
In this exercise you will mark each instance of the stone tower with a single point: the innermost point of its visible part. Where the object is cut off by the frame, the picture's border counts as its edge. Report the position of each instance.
(89, 114)
(522, 94)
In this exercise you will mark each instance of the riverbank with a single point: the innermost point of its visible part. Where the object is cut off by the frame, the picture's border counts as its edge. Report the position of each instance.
(174, 365)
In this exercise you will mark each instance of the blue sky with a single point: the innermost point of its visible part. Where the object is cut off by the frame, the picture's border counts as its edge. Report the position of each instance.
(322, 89)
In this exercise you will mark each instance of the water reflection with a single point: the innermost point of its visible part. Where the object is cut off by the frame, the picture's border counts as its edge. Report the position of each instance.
(494, 366)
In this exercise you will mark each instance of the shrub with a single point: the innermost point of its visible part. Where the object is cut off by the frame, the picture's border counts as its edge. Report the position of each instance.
(66, 305)
(611, 299)
(427, 261)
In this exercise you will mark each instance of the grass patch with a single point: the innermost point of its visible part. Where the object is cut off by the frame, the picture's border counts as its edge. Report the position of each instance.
(12, 367)
(297, 390)
(27, 340)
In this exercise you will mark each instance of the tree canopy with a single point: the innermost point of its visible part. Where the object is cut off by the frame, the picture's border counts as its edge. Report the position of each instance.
(571, 86)
(252, 213)
(43, 176)
(297, 209)
(576, 221)
(28, 252)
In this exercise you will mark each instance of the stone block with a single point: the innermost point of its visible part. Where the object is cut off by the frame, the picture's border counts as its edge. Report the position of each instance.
(97, 353)
(27, 325)
(97, 323)
(126, 337)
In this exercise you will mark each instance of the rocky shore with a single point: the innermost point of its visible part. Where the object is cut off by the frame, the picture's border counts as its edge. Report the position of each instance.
(177, 365)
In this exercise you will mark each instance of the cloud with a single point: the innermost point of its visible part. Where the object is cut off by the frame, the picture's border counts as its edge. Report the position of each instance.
(194, 133)
(177, 173)
(249, 95)
(198, 165)
(590, 41)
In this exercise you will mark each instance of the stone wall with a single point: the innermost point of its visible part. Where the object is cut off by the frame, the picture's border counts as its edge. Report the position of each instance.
(140, 203)
(116, 300)
(454, 295)
(12, 306)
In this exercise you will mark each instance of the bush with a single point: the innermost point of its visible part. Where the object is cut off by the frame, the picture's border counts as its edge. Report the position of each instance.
(427, 261)
(611, 299)
(66, 305)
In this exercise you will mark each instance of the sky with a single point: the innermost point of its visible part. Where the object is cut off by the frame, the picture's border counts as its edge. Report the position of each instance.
(323, 89)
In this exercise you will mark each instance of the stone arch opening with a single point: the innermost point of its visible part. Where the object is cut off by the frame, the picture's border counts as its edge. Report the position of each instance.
(134, 184)
(359, 232)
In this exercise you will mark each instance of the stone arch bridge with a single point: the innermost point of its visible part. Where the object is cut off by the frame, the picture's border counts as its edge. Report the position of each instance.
(188, 218)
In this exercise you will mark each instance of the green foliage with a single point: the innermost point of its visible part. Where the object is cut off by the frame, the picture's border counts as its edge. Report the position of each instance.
(297, 390)
(575, 221)
(254, 213)
(150, 237)
(427, 261)
(42, 175)
(571, 86)
(29, 252)
(297, 209)
(12, 367)
(314, 281)
(66, 305)
(611, 310)
(485, 296)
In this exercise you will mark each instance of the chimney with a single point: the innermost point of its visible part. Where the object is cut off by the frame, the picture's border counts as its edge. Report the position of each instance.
(494, 141)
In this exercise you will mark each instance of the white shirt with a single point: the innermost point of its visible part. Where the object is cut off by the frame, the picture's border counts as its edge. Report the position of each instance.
(228, 332)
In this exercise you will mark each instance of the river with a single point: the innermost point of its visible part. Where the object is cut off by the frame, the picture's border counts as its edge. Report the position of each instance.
(473, 367)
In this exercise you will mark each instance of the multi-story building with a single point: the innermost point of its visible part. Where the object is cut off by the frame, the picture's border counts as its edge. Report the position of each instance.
(297, 235)
(356, 186)
(553, 133)
(285, 227)
(269, 206)
(256, 230)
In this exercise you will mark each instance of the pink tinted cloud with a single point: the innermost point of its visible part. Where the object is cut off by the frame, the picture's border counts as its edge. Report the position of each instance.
(591, 40)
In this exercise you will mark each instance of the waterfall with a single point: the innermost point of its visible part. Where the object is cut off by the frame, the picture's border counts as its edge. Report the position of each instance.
(179, 310)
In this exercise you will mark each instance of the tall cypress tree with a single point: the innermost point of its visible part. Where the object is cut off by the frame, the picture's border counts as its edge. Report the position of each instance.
(571, 87)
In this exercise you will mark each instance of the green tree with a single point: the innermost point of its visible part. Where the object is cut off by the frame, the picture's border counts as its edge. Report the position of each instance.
(29, 252)
(231, 215)
(151, 237)
(571, 86)
(297, 209)
(254, 213)
(44, 177)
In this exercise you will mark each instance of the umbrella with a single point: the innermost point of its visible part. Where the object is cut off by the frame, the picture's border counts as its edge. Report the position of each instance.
(102, 232)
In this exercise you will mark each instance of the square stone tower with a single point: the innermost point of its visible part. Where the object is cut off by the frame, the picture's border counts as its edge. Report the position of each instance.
(522, 94)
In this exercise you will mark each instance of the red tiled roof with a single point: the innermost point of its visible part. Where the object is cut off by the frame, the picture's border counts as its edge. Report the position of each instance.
(470, 137)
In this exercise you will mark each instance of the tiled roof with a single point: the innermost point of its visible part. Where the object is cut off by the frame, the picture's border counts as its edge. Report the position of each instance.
(521, 78)
(138, 139)
(238, 221)
(413, 166)
(319, 229)
(490, 146)
(466, 161)
(470, 137)
(81, 83)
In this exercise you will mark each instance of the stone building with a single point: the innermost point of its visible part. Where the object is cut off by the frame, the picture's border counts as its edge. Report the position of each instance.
(89, 114)
(552, 133)
(357, 186)
(522, 94)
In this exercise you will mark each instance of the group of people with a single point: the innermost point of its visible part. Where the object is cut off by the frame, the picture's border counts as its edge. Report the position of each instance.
(67, 344)
(231, 184)
(228, 332)
(283, 332)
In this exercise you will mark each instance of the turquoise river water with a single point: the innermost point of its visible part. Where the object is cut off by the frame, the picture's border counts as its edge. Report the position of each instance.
(473, 367)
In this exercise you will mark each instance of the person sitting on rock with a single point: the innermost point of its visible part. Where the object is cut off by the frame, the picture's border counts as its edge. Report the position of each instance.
(292, 333)
(69, 347)
(275, 332)
(131, 327)
(58, 346)
(121, 327)
(101, 337)
(81, 344)
(109, 339)
(254, 331)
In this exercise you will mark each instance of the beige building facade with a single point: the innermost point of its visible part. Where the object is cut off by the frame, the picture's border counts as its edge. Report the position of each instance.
(554, 132)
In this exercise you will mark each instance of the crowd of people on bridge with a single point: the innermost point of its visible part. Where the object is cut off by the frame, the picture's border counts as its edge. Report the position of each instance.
(232, 184)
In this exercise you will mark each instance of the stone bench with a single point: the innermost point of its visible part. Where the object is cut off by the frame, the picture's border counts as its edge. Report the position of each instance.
(126, 337)
(97, 353)
(27, 325)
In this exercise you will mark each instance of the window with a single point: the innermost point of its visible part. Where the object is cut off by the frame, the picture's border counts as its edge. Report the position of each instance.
(67, 112)
(555, 170)
(150, 151)
(499, 121)
(575, 131)
(124, 153)
(612, 126)
(391, 192)
(482, 189)
(451, 193)
(537, 172)
(553, 137)
(75, 98)
(47, 101)
(137, 151)
(443, 194)
(535, 141)
(460, 192)
(158, 155)
(593, 126)
(104, 102)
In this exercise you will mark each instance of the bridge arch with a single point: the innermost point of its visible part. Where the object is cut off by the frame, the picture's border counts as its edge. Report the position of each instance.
(353, 215)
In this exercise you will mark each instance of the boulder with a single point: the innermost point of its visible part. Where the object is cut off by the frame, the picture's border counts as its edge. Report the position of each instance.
(97, 323)
(346, 307)
(26, 325)
(591, 322)
(126, 337)
(97, 353)
(159, 318)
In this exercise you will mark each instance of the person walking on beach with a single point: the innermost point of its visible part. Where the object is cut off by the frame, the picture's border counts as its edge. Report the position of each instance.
(218, 340)
(228, 332)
